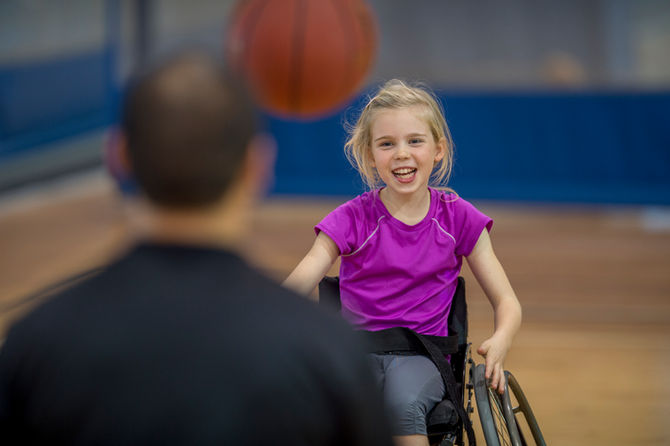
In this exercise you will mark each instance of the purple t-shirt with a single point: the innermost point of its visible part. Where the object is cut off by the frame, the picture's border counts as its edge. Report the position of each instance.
(396, 275)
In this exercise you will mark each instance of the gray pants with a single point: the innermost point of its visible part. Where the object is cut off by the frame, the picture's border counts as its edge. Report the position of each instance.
(412, 386)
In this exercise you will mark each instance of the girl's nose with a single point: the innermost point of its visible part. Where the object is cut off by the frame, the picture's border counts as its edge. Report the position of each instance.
(402, 152)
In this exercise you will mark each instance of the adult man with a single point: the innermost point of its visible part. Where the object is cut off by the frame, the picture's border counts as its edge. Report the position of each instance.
(179, 341)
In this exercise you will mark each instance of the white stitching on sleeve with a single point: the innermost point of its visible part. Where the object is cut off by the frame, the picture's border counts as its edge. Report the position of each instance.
(366, 240)
(442, 229)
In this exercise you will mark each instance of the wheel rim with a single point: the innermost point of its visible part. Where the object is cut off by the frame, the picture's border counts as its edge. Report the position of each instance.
(495, 412)
(523, 407)
(499, 418)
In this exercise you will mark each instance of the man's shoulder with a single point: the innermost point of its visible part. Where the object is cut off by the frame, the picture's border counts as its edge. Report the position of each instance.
(133, 290)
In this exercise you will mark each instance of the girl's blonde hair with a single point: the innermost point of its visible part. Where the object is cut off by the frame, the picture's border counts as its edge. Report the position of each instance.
(396, 94)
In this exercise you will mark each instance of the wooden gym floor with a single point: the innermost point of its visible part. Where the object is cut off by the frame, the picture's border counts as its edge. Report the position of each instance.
(593, 353)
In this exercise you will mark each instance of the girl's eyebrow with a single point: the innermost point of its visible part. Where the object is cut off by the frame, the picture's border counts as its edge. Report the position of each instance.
(407, 136)
(383, 137)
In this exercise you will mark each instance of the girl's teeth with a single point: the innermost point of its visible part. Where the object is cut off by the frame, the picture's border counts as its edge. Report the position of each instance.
(403, 172)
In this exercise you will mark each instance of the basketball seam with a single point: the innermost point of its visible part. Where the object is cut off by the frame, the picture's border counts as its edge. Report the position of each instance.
(349, 77)
(297, 47)
(254, 16)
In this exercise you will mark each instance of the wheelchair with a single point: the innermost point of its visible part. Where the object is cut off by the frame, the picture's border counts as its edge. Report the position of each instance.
(450, 422)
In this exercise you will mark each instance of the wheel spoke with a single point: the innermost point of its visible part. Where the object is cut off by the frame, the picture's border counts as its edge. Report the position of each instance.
(495, 412)
(499, 419)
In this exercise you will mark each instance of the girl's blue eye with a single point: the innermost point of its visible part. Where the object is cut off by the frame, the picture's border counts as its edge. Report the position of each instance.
(415, 141)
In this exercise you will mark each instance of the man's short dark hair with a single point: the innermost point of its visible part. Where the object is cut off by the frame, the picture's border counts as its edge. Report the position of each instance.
(188, 123)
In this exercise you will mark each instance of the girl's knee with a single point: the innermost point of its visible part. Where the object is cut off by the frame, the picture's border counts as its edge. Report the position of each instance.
(409, 418)
(412, 388)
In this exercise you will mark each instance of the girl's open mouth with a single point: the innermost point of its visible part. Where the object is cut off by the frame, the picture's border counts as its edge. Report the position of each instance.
(404, 174)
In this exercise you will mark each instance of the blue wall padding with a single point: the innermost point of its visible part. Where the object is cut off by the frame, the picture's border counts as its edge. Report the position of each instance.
(611, 147)
(593, 147)
(48, 100)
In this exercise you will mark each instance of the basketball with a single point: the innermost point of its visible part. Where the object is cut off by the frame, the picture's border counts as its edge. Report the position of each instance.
(302, 58)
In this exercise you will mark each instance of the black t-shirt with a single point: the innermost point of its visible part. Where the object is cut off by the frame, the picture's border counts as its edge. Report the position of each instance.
(185, 345)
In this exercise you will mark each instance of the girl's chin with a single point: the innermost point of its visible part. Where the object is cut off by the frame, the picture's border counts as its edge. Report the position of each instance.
(405, 188)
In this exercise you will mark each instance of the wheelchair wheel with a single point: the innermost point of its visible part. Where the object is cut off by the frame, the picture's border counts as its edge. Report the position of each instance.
(520, 404)
(495, 413)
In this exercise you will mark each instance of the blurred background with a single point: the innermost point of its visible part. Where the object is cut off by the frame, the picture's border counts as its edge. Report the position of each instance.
(560, 113)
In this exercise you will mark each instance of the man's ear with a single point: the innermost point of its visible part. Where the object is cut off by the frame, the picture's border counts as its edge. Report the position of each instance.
(259, 164)
(116, 156)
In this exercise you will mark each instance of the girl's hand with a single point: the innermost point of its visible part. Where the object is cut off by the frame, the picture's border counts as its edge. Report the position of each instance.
(494, 350)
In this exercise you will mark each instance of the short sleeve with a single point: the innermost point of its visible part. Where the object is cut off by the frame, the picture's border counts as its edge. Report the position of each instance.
(340, 226)
(468, 224)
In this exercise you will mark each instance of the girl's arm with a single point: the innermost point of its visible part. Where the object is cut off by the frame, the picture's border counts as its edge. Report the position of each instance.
(313, 266)
(507, 311)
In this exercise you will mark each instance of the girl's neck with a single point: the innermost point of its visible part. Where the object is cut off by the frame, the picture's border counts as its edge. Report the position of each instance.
(409, 209)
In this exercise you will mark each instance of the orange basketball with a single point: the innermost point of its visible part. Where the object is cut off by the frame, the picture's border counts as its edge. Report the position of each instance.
(302, 58)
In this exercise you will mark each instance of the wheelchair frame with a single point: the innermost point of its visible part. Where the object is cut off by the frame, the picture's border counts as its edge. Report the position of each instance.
(497, 415)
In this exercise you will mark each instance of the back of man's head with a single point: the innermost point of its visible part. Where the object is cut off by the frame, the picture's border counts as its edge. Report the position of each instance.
(187, 125)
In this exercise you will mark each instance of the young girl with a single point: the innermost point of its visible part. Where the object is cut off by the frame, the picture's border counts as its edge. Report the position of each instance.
(402, 245)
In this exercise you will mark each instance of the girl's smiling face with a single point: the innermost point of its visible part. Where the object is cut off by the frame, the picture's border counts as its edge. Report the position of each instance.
(404, 150)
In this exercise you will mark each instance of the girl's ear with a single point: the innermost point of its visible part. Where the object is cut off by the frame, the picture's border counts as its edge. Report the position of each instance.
(441, 148)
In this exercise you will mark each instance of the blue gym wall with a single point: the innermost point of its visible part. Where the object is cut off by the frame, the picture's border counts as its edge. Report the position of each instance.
(593, 147)
(609, 147)
(46, 101)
